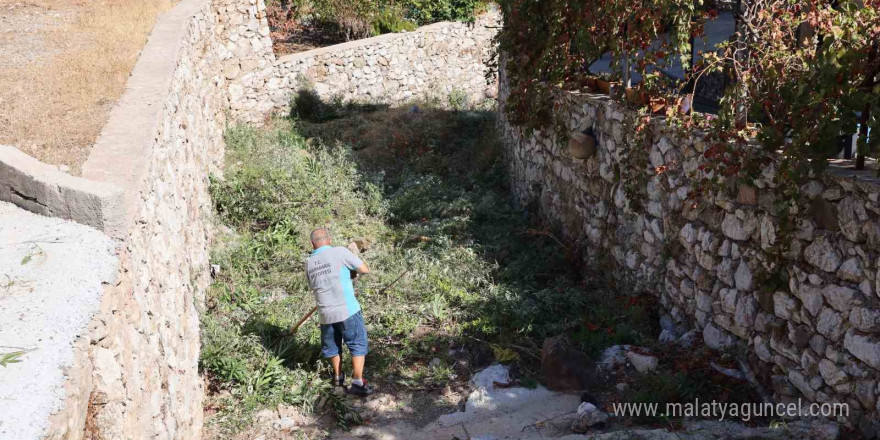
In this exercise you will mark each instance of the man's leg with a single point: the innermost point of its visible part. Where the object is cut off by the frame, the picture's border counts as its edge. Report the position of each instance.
(337, 371)
(357, 365)
(331, 342)
(356, 339)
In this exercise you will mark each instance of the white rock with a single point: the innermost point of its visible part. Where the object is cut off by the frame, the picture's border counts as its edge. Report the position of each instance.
(823, 255)
(865, 347)
(851, 270)
(743, 276)
(642, 363)
(588, 416)
(842, 299)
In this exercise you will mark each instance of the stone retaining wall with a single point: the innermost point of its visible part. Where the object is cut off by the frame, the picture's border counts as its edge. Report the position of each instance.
(432, 61)
(814, 333)
(136, 370)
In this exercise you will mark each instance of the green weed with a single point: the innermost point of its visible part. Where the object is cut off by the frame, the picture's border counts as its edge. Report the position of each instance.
(426, 186)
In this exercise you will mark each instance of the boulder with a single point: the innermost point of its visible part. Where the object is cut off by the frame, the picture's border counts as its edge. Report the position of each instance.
(565, 368)
(866, 320)
(581, 145)
(642, 363)
(588, 417)
(823, 255)
(717, 339)
(863, 346)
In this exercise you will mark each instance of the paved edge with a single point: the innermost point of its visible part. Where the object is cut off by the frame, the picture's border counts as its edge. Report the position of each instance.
(43, 189)
(122, 151)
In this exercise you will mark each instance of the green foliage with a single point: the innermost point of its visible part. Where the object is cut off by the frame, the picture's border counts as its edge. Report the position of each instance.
(458, 99)
(431, 11)
(424, 184)
(13, 357)
(391, 19)
(805, 73)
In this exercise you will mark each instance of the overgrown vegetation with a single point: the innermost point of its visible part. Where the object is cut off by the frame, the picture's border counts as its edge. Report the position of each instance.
(355, 19)
(801, 74)
(426, 187)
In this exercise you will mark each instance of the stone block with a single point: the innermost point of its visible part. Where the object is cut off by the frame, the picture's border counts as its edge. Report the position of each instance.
(42, 189)
(863, 346)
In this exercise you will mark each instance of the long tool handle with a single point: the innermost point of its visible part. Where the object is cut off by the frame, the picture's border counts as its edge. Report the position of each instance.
(305, 318)
(312, 312)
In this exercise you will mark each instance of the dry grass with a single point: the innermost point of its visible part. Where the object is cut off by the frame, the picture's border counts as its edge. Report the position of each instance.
(55, 102)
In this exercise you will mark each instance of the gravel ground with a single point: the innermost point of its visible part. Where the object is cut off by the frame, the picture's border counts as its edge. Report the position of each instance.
(51, 275)
(23, 32)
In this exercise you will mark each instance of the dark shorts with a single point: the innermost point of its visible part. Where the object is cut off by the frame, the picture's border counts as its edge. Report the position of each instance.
(352, 331)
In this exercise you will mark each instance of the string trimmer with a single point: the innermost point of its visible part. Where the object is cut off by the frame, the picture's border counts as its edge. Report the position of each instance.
(314, 309)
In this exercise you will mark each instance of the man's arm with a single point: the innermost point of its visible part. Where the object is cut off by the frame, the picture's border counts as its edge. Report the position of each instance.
(355, 264)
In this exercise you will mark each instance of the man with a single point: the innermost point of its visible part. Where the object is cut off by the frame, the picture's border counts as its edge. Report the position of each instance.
(330, 271)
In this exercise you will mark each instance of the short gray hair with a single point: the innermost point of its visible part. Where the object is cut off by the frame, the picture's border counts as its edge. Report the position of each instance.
(320, 235)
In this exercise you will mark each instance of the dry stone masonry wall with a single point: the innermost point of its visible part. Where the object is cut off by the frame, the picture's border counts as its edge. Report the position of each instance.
(432, 61)
(136, 374)
(814, 333)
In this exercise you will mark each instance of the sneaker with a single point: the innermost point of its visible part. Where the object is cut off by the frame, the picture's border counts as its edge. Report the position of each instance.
(360, 390)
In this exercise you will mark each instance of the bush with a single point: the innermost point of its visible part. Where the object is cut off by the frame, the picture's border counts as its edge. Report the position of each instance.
(392, 20)
(352, 18)
(431, 11)
(308, 106)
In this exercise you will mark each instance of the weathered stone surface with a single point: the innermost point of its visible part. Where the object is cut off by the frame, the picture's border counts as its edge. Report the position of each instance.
(864, 319)
(642, 363)
(717, 338)
(581, 145)
(842, 299)
(823, 255)
(851, 215)
(747, 195)
(743, 276)
(851, 270)
(811, 297)
(588, 417)
(723, 266)
(865, 392)
(830, 324)
(864, 347)
(831, 373)
(800, 382)
(432, 61)
(738, 229)
(784, 305)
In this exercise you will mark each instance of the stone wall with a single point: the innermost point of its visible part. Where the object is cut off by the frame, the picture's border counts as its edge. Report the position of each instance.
(431, 61)
(248, 62)
(813, 333)
(136, 374)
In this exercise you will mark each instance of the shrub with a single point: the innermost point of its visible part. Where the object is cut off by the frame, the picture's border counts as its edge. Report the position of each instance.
(308, 106)
(392, 20)
(431, 11)
(458, 99)
(352, 18)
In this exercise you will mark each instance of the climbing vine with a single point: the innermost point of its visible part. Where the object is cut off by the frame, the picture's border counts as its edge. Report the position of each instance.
(801, 74)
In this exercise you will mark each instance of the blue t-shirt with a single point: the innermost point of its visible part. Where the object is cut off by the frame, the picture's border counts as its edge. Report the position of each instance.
(328, 270)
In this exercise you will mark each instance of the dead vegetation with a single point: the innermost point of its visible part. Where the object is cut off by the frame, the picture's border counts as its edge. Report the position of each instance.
(63, 64)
